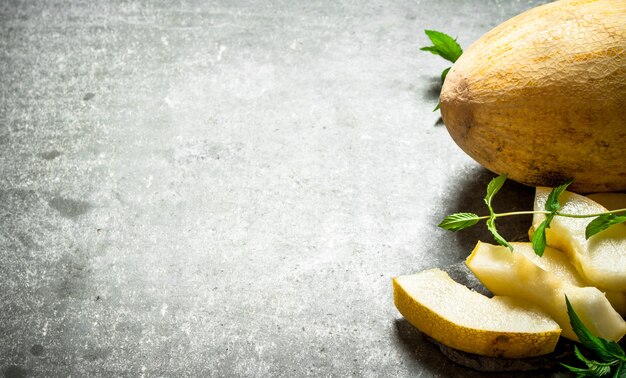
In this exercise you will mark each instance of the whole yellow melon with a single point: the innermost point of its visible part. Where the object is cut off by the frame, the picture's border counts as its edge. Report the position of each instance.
(542, 97)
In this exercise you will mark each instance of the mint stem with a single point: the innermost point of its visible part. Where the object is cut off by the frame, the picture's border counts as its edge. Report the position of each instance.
(548, 213)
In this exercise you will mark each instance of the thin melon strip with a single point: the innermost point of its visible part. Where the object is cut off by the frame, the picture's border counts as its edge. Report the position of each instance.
(557, 262)
(509, 273)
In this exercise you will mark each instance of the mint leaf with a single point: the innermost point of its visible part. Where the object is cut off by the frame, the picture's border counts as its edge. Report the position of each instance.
(620, 372)
(552, 202)
(609, 352)
(590, 341)
(443, 45)
(580, 373)
(584, 335)
(598, 368)
(601, 369)
(614, 349)
(494, 186)
(444, 74)
(552, 205)
(539, 237)
(432, 49)
(603, 222)
(459, 221)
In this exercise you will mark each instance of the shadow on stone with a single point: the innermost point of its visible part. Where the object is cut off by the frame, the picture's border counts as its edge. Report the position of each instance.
(448, 362)
(14, 371)
(50, 155)
(433, 90)
(460, 273)
(426, 354)
(69, 208)
(96, 353)
(73, 280)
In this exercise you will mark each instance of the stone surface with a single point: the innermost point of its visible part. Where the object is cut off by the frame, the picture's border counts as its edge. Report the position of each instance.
(225, 188)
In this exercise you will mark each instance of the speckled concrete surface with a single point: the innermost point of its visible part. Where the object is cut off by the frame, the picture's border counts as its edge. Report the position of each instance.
(227, 188)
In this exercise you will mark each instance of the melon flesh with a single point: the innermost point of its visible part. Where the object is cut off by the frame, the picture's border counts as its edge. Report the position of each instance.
(557, 262)
(601, 260)
(512, 274)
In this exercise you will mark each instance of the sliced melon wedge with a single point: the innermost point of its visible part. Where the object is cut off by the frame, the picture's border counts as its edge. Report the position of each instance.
(553, 261)
(557, 262)
(512, 274)
(468, 321)
(601, 260)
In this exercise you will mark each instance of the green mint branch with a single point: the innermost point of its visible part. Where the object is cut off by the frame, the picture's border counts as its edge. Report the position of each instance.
(601, 221)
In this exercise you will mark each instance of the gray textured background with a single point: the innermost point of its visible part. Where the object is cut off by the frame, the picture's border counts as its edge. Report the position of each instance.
(227, 188)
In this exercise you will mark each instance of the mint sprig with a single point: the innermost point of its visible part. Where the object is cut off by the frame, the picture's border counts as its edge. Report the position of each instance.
(444, 46)
(494, 187)
(601, 221)
(461, 221)
(611, 356)
(552, 206)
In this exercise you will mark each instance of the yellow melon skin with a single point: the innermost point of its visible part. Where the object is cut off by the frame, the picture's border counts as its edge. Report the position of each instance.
(542, 97)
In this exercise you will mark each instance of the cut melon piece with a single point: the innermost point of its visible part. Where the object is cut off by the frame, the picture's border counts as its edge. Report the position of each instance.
(468, 321)
(512, 274)
(557, 262)
(601, 260)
